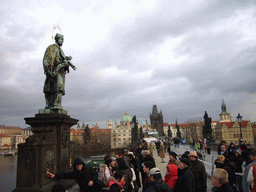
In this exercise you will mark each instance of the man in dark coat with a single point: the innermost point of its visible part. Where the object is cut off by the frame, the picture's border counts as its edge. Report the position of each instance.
(157, 184)
(220, 181)
(198, 170)
(224, 151)
(185, 182)
(230, 167)
(85, 177)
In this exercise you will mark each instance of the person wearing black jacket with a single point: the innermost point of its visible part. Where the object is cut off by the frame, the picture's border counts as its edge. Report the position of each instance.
(86, 177)
(230, 167)
(185, 182)
(238, 160)
(156, 182)
(198, 170)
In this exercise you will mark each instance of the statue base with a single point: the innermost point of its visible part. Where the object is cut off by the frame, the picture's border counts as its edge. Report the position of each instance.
(48, 149)
(52, 111)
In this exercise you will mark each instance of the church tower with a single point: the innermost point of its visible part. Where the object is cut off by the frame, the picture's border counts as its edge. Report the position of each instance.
(110, 124)
(224, 116)
(156, 120)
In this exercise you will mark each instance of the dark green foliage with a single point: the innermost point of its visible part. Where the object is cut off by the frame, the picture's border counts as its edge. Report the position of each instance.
(87, 134)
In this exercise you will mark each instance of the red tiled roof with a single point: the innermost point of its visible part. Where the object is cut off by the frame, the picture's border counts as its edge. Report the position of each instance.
(8, 127)
(94, 129)
(76, 131)
(4, 135)
(230, 124)
(6, 145)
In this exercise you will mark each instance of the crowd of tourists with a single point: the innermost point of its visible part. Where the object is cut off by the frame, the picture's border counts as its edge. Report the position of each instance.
(135, 169)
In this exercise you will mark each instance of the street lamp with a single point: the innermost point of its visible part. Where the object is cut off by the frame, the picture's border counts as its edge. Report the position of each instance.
(239, 119)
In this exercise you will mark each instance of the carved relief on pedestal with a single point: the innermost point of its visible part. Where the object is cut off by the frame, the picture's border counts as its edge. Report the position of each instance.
(28, 156)
(65, 137)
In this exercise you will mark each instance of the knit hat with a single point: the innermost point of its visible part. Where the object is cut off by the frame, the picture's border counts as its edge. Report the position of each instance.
(239, 151)
(185, 161)
(173, 154)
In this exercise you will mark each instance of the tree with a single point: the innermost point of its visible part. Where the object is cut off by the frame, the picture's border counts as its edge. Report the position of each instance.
(87, 135)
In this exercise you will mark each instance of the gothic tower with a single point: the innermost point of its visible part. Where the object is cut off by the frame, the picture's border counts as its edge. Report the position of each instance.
(156, 120)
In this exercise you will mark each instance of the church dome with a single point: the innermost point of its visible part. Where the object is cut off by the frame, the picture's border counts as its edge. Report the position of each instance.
(126, 117)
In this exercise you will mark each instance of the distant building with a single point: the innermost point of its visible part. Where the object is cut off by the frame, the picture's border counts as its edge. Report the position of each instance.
(121, 134)
(5, 141)
(10, 130)
(99, 138)
(11, 136)
(156, 120)
(26, 132)
(229, 131)
(77, 136)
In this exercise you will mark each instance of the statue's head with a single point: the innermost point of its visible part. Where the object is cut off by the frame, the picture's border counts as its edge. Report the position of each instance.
(59, 38)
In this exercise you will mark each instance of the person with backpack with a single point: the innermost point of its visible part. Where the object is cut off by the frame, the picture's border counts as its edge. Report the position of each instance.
(156, 182)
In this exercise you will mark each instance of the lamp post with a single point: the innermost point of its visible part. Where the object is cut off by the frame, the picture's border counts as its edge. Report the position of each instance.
(239, 119)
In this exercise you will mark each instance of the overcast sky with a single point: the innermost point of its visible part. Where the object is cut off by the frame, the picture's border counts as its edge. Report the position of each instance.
(185, 56)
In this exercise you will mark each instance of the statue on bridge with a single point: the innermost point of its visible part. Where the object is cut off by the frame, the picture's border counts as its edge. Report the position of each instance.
(55, 64)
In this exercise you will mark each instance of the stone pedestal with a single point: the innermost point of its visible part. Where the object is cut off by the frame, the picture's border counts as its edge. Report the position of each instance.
(47, 149)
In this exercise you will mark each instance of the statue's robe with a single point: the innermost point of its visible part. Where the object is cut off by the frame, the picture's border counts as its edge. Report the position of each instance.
(56, 83)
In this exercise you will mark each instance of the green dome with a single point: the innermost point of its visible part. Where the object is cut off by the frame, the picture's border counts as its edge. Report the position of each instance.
(126, 117)
(143, 123)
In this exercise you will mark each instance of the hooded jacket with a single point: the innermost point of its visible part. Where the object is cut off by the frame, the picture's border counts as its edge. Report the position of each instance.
(82, 177)
(172, 178)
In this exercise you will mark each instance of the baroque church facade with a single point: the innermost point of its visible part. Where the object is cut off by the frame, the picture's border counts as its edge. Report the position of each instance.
(121, 134)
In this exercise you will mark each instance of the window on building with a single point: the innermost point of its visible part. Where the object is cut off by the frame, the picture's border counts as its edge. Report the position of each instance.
(124, 134)
(125, 124)
(119, 139)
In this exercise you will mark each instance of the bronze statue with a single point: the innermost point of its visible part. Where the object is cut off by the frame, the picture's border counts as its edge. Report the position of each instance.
(56, 64)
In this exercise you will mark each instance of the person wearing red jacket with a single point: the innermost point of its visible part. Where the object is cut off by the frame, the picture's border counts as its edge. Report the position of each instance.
(171, 175)
(117, 181)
